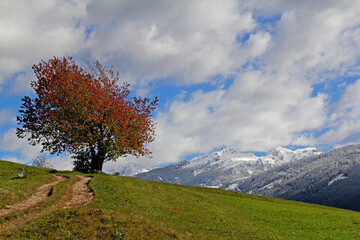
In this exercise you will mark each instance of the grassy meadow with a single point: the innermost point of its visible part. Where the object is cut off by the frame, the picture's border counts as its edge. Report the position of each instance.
(128, 208)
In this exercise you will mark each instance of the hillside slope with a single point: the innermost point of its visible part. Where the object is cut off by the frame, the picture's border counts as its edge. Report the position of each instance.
(130, 208)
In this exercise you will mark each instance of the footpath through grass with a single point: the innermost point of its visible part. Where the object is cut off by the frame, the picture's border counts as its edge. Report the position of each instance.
(14, 189)
(128, 208)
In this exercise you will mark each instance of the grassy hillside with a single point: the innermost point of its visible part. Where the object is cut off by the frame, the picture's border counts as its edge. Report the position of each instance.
(127, 208)
(14, 189)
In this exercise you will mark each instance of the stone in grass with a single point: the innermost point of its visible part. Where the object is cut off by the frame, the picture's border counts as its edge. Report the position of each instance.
(20, 173)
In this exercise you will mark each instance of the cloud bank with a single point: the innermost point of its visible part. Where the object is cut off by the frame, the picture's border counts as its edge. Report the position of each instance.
(277, 73)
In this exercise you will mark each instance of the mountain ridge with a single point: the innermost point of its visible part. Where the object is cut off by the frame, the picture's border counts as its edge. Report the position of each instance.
(222, 167)
(328, 179)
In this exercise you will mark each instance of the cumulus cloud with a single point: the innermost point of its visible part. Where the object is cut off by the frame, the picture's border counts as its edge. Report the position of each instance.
(33, 30)
(256, 113)
(275, 52)
(9, 142)
(317, 41)
(273, 103)
(187, 41)
(344, 121)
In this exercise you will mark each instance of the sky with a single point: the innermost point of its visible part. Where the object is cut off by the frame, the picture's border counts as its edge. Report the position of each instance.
(254, 75)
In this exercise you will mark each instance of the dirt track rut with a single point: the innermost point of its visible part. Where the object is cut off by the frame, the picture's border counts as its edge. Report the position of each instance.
(78, 195)
(40, 195)
(81, 194)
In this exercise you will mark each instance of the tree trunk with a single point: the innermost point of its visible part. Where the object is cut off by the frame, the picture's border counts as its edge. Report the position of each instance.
(96, 163)
(97, 158)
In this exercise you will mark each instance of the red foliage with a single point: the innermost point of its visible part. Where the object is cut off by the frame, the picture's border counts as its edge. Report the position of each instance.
(85, 110)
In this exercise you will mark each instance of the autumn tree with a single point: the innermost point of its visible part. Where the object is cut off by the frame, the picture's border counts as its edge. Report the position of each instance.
(86, 112)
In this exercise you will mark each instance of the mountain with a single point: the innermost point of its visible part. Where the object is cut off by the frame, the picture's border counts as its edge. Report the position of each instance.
(220, 169)
(330, 179)
(127, 169)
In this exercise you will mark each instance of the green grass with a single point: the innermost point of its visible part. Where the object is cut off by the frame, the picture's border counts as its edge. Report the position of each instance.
(202, 213)
(128, 208)
(14, 189)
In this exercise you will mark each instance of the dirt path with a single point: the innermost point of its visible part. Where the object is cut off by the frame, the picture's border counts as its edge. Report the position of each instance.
(40, 195)
(81, 194)
(78, 195)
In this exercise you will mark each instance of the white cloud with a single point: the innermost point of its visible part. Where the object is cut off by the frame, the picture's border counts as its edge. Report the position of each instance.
(344, 121)
(11, 143)
(188, 41)
(273, 104)
(34, 30)
(6, 116)
(18, 150)
(314, 39)
(256, 45)
(269, 104)
(257, 113)
(62, 162)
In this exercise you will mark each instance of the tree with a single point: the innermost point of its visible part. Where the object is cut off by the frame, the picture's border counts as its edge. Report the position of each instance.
(41, 161)
(86, 112)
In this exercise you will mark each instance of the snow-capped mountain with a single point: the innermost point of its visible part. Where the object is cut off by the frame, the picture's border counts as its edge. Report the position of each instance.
(127, 169)
(330, 179)
(226, 166)
(305, 175)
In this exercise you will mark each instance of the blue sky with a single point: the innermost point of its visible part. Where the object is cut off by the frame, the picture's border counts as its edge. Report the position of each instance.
(254, 75)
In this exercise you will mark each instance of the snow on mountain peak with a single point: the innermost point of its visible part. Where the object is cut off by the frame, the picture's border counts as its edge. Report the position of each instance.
(226, 151)
(280, 151)
(128, 169)
(305, 152)
(282, 155)
(228, 158)
(233, 153)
